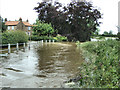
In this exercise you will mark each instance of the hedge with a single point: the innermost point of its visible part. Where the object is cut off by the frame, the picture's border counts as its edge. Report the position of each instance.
(101, 67)
(14, 37)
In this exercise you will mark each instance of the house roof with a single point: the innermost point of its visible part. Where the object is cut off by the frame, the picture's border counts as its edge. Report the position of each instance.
(10, 23)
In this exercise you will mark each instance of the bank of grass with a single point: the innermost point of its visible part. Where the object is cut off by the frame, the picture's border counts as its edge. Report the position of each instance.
(101, 68)
(14, 37)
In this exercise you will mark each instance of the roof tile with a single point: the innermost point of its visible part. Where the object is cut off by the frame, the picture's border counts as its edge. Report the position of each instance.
(16, 22)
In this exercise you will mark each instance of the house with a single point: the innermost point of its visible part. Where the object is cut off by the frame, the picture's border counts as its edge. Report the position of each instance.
(19, 25)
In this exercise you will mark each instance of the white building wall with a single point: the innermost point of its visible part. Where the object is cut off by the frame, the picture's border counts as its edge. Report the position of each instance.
(119, 16)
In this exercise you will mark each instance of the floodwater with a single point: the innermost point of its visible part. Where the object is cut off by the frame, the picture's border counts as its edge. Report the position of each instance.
(45, 65)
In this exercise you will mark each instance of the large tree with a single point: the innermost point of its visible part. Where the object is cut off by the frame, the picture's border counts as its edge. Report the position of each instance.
(3, 27)
(77, 20)
(83, 19)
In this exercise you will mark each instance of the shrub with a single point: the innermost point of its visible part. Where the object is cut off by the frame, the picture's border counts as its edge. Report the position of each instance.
(45, 29)
(104, 71)
(58, 38)
(14, 37)
(118, 35)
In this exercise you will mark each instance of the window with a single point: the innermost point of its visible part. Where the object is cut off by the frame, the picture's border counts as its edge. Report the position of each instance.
(8, 27)
(12, 27)
(29, 28)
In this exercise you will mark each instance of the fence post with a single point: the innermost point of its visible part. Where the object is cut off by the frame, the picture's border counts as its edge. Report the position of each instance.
(46, 41)
(42, 41)
(49, 41)
(17, 47)
(53, 41)
(24, 45)
(8, 48)
(29, 46)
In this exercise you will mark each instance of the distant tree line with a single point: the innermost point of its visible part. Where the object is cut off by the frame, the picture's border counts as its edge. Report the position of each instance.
(109, 34)
(78, 20)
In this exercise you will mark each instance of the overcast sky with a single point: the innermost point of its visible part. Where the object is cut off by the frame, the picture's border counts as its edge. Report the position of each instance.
(14, 9)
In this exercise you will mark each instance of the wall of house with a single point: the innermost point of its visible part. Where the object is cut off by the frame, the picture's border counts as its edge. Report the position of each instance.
(11, 27)
(28, 30)
(20, 26)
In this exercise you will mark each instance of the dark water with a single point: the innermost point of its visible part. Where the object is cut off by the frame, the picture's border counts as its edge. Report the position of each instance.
(45, 65)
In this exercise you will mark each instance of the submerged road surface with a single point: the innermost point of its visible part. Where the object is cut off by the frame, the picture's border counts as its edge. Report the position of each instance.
(45, 65)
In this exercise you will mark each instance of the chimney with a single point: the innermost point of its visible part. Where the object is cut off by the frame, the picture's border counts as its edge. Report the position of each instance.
(27, 20)
(20, 19)
(5, 19)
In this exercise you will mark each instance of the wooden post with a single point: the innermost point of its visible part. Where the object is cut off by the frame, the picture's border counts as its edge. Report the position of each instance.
(46, 41)
(17, 47)
(9, 49)
(53, 41)
(24, 45)
(29, 46)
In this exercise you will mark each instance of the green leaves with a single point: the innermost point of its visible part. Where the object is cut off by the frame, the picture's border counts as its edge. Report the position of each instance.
(42, 29)
(77, 20)
(14, 37)
(105, 71)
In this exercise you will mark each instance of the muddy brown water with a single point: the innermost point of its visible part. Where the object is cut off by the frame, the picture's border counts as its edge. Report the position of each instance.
(45, 65)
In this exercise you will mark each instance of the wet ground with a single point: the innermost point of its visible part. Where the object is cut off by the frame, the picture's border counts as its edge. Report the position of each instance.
(45, 65)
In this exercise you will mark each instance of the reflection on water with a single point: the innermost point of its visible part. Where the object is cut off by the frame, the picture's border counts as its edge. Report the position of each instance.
(44, 65)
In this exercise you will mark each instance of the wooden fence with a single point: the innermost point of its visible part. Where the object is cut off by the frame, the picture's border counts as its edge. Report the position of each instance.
(17, 45)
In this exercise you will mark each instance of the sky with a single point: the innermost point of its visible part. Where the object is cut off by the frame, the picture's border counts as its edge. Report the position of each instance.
(14, 9)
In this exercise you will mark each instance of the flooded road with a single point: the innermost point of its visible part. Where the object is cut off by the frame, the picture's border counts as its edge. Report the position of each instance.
(45, 65)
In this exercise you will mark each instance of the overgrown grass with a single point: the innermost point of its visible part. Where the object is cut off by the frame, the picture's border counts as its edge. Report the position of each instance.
(14, 37)
(101, 68)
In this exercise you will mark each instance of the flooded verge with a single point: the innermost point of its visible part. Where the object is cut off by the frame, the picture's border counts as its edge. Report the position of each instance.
(45, 65)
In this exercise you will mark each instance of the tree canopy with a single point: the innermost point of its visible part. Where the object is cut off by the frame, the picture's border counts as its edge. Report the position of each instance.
(42, 29)
(77, 20)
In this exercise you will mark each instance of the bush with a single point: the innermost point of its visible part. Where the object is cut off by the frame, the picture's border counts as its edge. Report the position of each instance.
(14, 37)
(43, 29)
(103, 70)
(58, 38)
(118, 35)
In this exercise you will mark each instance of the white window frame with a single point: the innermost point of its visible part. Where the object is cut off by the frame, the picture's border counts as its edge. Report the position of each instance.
(29, 28)
(8, 27)
(12, 27)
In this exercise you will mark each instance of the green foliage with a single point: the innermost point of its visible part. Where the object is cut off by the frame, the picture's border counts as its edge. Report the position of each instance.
(3, 27)
(118, 35)
(108, 33)
(78, 20)
(102, 70)
(14, 37)
(57, 38)
(43, 29)
(60, 38)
